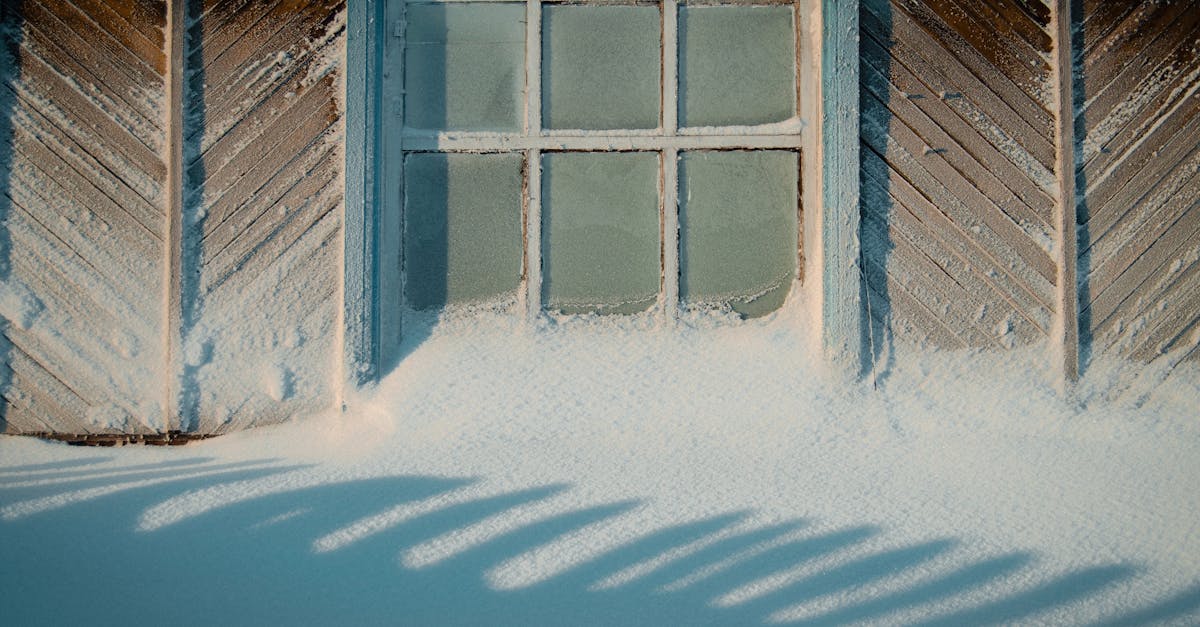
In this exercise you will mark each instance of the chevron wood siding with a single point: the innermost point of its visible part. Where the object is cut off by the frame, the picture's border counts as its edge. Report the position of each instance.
(262, 232)
(1138, 114)
(957, 159)
(81, 183)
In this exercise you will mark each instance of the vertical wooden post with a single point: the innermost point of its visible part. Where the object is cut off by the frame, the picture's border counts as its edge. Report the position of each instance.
(838, 254)
(173, 273)
(360, 328)
(1066, 329)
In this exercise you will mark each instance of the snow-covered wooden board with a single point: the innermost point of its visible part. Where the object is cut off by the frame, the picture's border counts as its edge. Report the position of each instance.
(262, 213)
(958, 170)
(81, 183)
(1138, 82)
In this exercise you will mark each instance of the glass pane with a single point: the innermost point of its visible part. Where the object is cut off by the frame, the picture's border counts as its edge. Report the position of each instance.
(738, 228)
(601, 66)
(464, 67)
(737, 65)
(462, 237)
(600, 233)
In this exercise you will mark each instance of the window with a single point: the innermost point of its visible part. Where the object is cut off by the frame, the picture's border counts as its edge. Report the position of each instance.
(598, 156)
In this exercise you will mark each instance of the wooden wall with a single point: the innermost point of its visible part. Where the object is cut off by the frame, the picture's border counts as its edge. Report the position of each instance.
(82, 203)
(88, 276)
(958, 180)
(262, 236)
(1138, 115)
(111, 324)
(959, 183)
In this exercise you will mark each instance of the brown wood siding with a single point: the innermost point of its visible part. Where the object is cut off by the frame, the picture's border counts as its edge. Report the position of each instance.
(81, 184)
(263, 211)
(958, 183)
(1138, 114)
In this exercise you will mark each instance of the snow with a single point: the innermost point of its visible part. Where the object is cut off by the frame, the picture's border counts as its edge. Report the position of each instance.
(626, 470)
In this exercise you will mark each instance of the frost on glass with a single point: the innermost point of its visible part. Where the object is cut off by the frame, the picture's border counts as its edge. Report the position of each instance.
(464, 66)
(601, 67)
(462, 236)
(600, 232)
(737, 65)
(738, 228)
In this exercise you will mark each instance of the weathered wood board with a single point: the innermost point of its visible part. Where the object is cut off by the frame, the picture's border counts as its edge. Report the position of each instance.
(958, 170)
(262, 212)
(81, 187)
(1138, 111)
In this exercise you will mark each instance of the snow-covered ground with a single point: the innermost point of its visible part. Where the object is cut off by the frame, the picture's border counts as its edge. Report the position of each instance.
(613, 472)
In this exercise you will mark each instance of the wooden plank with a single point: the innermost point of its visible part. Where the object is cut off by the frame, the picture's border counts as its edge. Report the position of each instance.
(1131, 285)
(995, 38)
(1165, 318)
(992, 273)
(927, 281)
(976, 159)
(1141, 157)
(310, 62)
(1023, 24)
(267, 217)
(1148, 165)
(176, 307)
(76, 311)
(1037, 10)
(95, 173)
(904, 307)
(249, 128)
(1100, 17)
(302, 136)
(276, 183)
(1146, 211)
(313, 110)
(148, 17)
(84, 26)
(224, 24)
(991, 76)
(131, 38)
(248, 261)
(903, 224)
(1153, 71)
(291, 185)
(107, 89)
(36, 241)
(976, 212)
(1119, 48)
(76, 117)
(975, 102)
(78, 192)
(46, 400)
(108, 256)
(255, 65)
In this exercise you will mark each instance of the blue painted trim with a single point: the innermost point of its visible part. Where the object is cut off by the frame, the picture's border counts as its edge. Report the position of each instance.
(361, 239)
(841, 310)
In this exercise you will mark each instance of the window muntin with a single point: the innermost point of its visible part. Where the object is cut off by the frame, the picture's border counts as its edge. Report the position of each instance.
(605, 88)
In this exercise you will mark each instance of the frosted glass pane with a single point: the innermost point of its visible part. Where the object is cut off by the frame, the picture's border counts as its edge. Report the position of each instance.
(601, 66)
(464, 66)
(738, 228)
(600, 233)
(462, 237)
(737, 65)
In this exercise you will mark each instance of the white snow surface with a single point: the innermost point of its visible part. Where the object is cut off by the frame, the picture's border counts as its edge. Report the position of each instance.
(625, 471)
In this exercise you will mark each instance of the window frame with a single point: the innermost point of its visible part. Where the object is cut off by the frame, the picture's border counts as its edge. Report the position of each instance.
(827, 273)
